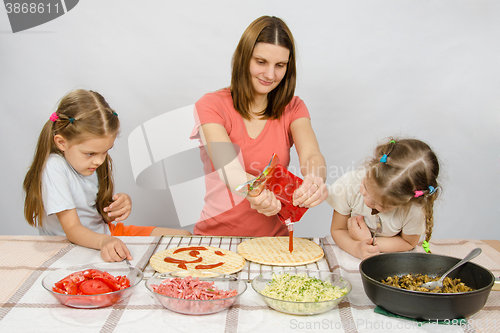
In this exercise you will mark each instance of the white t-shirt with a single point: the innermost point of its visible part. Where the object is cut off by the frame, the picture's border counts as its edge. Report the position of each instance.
(63, 188)
(345, 197)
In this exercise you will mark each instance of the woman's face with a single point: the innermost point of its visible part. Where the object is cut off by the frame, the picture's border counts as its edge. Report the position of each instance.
(268, 67)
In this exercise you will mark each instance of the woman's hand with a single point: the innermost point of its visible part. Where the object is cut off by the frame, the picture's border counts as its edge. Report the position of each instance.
(357, 228)
(312, 192)
(265, 203)
(113, 249)
(120, 208)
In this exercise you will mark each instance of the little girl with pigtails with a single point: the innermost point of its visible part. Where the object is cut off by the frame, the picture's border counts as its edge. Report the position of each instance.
(69, 186)
(399, 184)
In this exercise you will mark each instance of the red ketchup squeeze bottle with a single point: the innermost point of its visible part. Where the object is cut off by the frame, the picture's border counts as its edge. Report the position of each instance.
(283, 184)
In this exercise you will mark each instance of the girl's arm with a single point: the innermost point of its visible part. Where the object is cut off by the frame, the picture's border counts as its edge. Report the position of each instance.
(313, 190)
(112, 248)
(231, 172)
(398, 243)
(359, 248)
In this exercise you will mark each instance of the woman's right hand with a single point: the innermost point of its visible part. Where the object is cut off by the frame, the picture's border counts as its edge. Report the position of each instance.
(113, 249)
(265, 203)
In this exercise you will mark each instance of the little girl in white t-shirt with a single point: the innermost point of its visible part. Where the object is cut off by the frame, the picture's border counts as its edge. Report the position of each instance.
(399, 185)
(69, 186)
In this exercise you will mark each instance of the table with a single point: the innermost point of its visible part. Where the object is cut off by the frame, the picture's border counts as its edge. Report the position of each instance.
(26, 307)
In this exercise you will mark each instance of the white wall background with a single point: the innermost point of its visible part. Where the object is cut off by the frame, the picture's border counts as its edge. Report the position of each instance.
(367, 69)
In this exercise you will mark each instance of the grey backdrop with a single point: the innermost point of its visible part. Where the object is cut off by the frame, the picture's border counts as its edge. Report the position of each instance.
(367, 69)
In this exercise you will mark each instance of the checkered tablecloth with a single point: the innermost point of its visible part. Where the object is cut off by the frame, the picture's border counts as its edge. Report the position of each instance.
(26, 307)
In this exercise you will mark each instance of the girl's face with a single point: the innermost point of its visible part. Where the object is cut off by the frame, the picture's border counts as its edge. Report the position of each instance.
(85, 157)
(371, 197)
(267, 67)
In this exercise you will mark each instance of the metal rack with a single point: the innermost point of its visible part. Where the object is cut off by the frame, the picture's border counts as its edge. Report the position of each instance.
(250, 270)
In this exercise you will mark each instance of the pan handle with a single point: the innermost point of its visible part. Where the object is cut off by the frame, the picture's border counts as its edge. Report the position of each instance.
(496, 285)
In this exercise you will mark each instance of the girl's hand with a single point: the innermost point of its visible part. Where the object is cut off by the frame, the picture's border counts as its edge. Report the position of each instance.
(312, 192)
(357, 228)
(120, 209)
(265, 203)
(113, 249)
(366, 249)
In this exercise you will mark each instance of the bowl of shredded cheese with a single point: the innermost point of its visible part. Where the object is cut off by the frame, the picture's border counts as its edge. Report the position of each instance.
(301, 292)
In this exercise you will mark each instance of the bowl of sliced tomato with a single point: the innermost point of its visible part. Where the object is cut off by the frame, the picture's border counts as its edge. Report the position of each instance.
(94, 285)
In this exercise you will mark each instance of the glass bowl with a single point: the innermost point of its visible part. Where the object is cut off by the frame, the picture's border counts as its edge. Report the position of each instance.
(196, 306)
(302, 308)
(94, 301)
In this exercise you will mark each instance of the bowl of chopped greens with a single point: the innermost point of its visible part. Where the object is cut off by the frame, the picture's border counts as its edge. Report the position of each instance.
(301, 292)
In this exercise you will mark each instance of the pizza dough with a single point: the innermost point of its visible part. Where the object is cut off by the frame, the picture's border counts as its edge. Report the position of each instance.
(274, 251)
(233, 262)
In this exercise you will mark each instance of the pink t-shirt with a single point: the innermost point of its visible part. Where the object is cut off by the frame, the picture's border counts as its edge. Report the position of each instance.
(225, 213)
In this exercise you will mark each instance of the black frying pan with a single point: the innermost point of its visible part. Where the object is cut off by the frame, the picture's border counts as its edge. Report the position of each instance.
(423, 305)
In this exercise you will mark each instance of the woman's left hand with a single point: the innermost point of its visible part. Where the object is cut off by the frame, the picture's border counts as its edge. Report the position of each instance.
(120, 208)
(311, 193)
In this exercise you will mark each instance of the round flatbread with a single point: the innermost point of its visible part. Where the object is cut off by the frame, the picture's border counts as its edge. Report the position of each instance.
(232, 262)
(274, 251)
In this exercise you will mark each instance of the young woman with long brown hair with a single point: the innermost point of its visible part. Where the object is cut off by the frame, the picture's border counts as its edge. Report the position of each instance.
(241, 126)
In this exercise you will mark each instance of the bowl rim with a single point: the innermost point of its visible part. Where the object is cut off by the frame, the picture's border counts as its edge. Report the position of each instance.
(416, 292)
(349, 285)
(210, 279)
(83, 267)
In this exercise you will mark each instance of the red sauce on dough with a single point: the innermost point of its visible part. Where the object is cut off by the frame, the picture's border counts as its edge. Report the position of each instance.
(190, 248)
(182, 265)
(290, 241)
(208, 266)
(180, 261)
(219, 253)
(194, 253)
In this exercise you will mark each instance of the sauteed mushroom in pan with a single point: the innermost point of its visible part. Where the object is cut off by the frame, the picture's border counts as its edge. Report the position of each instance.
(414, 282)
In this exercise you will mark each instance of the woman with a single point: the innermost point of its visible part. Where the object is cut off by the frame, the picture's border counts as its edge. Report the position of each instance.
(243, 125)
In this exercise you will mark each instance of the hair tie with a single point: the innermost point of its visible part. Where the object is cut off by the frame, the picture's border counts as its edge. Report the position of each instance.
(115, 114)
(425, 245)
(53, 117)
(432, 189)
(71, 120)
(391, 144)
(419, 193)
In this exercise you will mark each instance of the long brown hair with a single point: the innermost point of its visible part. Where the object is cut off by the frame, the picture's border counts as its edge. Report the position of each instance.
(408, 176)
(81, 115)
(265, 29)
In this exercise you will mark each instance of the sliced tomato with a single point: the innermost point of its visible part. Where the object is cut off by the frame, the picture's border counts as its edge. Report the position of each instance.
(90, 282)
(92, 287)
(124, 282)
(91, 273)
(58, 290)
(111, 284)
(70, 287)
(109, 277)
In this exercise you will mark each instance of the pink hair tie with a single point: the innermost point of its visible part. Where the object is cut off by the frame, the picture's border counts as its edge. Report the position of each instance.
(419, 193)
(54, 117)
